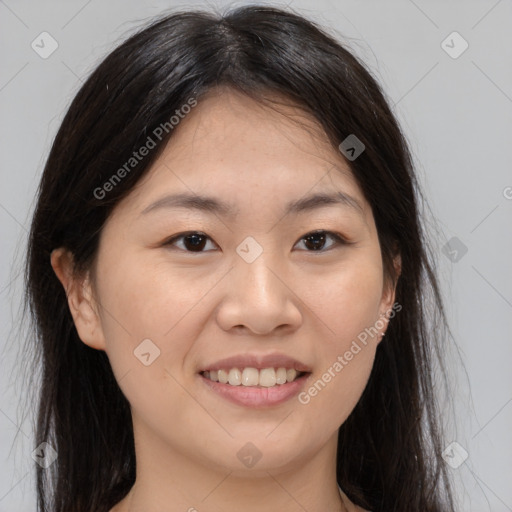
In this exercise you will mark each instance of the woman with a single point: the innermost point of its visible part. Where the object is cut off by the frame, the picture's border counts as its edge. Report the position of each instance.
(226, 228)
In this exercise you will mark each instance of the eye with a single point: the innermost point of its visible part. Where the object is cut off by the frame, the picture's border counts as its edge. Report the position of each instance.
(195, 241)
(316, 240)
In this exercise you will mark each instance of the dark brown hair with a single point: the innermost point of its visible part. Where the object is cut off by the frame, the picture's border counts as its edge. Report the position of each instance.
(389, 450)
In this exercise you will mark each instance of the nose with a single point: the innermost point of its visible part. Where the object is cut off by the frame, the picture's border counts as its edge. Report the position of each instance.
(258, 298)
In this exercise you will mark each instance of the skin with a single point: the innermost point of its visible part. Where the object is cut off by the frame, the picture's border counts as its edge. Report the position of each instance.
(201, 307)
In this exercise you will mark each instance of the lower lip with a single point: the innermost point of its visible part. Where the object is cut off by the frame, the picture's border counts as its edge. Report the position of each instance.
(254, 396)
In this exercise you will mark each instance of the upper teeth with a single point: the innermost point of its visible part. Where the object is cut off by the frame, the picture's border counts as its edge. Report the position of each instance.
(266, 377)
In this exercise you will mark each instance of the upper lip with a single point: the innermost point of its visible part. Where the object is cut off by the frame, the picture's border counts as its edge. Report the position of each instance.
(258, 361)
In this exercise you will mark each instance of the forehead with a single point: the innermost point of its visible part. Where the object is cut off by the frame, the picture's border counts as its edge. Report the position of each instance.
(233, 147)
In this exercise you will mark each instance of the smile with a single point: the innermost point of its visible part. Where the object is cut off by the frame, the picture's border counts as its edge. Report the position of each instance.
(255, 388)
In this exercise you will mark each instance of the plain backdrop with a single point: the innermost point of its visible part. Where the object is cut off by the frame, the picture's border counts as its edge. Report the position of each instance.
(455, 106)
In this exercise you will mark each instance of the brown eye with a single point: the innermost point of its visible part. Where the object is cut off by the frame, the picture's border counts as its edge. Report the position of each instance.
(193, 241)
(316, 240)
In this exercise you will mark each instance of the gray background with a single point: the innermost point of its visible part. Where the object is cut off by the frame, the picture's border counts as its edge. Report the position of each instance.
(456, 113)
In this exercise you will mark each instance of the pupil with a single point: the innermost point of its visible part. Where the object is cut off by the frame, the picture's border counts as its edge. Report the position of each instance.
(315, 238)
(197, 243)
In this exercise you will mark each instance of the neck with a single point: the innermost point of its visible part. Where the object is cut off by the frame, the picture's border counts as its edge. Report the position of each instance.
(168, 479)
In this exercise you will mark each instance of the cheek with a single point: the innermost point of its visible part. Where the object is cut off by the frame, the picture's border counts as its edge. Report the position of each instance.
(347, 308)
(340, 376)
(139, 298)
(147, 325)
(347, 300)
(146, 301)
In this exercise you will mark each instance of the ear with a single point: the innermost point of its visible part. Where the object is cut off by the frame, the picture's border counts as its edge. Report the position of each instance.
(80, 299)
(388, 297)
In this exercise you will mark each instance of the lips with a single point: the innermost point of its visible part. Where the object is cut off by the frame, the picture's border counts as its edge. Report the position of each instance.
(256, 396)
(280, 377)
(258, 361)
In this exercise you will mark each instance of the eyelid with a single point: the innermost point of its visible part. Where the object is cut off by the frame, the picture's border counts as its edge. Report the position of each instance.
(184, 234)
(339, 239)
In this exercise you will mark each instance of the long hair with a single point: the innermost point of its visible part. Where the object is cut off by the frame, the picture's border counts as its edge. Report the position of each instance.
(389, 449)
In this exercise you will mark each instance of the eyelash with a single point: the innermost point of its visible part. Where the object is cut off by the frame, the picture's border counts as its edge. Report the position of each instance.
(338, 238)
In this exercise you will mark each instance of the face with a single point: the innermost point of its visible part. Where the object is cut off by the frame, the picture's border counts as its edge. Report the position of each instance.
(269, 284)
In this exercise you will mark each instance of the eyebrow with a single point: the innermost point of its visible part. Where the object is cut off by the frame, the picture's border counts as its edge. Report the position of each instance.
(212, 205)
